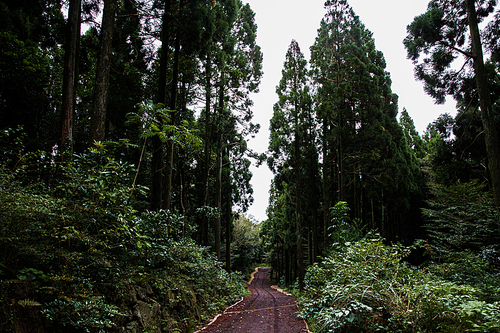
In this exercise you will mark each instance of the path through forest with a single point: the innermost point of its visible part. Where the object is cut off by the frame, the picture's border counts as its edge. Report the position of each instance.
(266, 310)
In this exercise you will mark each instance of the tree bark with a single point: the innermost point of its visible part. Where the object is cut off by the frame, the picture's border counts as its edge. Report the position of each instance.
(218, 198)
(326, 185)
(287, 265)
(207, 154)
(70, 77)
(157, 161)
(298, 206)
(229, 214)
(156, 173)
(99, 103)
(218, 180)
(487, 115)
(167, 204)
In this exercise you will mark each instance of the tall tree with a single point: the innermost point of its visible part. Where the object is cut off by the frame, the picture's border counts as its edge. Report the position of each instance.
(129, 69)
(446, 32)
(70, 76)
(329, 75)
(180, 28)
(412, 137)
(232, 72)
(237, 61)
(364, 150)
(98, 124)
(288, 128)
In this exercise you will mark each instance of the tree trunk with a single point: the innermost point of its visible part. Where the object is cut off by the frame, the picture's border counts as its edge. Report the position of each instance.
(156, 173)
(99, 103)
(70, 77)
(229, 213)
(173, 107)
(218, 194)
(326, 186)
(218, 183)
(487, 115)
(157, 162)
(287, 265)
(298, 206)
(207, 152)
(167, 203)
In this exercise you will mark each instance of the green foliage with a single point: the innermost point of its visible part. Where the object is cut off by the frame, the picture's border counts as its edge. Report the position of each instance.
(461, 216)
(343, 230)
(85, 249)
(412, 137)
(246, 245)
(439, 37)
(367, 287)
(367, 160)
(155, 120)
(26, 75)
(91, 314)
(97, 180)
(456, 147)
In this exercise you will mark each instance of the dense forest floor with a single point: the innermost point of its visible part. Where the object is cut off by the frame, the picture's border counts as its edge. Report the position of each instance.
(266, 310)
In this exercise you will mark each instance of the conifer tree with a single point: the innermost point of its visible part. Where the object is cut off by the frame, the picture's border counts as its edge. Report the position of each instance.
(363, 146)
(412, 137)
(288, 128)
(449, 30)
(70, 77)
(100, 100)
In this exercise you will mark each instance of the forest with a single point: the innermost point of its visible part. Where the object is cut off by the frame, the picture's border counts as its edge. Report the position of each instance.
(125, 169)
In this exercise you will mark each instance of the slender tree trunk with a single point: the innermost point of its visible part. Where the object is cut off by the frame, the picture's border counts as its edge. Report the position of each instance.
(314, 175)
(99, 103)
(207, 152)
(298, 206)
(309, 246)
(287, 266)
(156, 173)
(173, 106)
(280, 263)
(340, 160)
(326, 185)
(487, 115)
(373, 213)
(157, 162)
(167, 202)
(218, 182)
(70, 77)
(229, 213)
(218, 194)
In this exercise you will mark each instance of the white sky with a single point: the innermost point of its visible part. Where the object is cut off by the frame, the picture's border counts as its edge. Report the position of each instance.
(280, 21)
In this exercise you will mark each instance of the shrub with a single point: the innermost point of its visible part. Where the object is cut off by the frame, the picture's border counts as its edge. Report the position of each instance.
(79, 245)
(460, 217)
(368, 287)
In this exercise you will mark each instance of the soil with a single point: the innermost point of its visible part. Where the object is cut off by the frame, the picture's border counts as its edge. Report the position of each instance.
(267, 310)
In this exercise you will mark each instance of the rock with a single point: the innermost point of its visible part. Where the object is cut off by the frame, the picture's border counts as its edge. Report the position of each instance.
(149, 315)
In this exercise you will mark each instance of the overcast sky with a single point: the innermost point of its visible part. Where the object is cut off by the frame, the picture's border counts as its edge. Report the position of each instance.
(280, 21)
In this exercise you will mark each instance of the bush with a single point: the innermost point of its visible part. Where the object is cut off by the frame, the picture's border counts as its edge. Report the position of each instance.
(461, 217)
(91, 260)
(368, 287)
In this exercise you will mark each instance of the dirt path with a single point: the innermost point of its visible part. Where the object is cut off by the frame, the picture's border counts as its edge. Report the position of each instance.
(266, 311)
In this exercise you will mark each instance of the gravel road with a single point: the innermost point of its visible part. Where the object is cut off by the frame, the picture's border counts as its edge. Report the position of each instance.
(265, 311)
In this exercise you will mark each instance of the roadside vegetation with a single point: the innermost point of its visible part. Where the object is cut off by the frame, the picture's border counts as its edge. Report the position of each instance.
(366, 285)
(77, 255)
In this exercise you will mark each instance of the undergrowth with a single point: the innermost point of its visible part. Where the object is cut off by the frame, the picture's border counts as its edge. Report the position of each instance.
(77, 256)
(367, 287)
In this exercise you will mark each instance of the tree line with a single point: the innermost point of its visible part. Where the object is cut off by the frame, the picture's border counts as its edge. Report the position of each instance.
(342, 161)
(169, 83)
(169, 80)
